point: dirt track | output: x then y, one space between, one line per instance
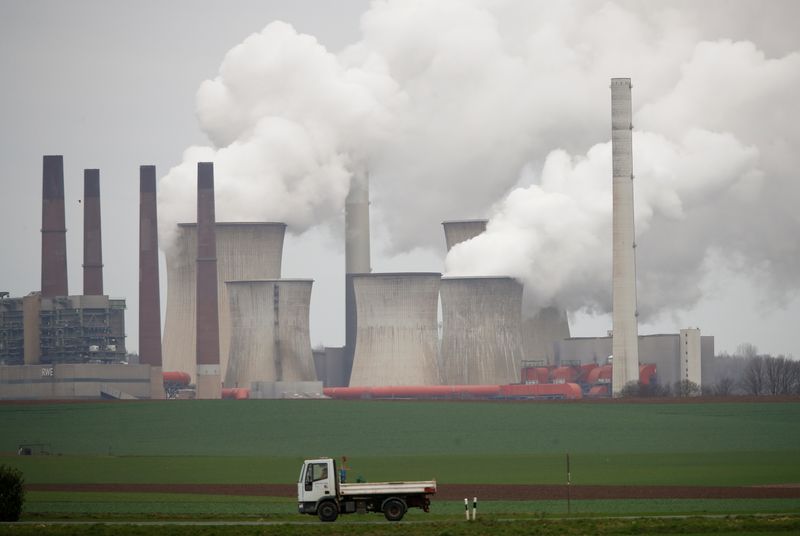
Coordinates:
486 492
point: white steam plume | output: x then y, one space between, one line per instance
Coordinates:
457 107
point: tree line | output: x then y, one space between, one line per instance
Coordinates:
745 372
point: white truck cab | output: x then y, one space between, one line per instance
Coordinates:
319 492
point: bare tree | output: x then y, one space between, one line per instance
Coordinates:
725 386
753 379
686 388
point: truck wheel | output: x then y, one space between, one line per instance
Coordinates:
394 509
328 511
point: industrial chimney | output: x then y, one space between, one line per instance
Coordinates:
54 232
92 235
207 348
625 335
149 289
357 255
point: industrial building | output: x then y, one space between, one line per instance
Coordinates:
270 332
397 338
245 250
677 356
481 330
235 329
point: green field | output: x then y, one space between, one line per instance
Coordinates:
703 444
458 442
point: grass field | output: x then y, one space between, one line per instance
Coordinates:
265 441
241 442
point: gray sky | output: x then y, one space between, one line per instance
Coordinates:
113 85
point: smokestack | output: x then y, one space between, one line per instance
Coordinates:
92 235
356 257
625 335
208 370
149 289
54 232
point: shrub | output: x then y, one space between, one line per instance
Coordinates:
12 493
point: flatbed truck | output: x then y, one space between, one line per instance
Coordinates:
320 493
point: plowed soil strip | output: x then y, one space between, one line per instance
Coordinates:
486 492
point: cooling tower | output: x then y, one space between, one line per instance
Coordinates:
625 338
357 256
149 287
541 331
270 331
481 330
397 338
244 251
54 232
209 377
92 235
462 230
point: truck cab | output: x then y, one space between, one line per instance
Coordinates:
319 492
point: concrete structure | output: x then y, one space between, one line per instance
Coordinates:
149 287
397 337
92 234
542 331
54 231
481 330
663 350
244 251
691 350
625 322
209 377
270 332
329 363
544 327
457 231
74 381
356 257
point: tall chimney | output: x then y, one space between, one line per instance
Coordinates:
54 232
149 288
92 236
356 256
208 370
625 334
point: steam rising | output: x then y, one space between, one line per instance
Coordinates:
501 109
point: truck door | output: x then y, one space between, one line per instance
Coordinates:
317 482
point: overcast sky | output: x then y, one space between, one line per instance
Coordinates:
460 109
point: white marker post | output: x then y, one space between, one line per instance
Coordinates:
474 507
466 508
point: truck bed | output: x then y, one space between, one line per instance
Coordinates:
388 488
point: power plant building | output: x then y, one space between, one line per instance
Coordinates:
677 356
397 338
481 330
244 251
270 332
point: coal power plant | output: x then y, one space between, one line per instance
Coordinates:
235 327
